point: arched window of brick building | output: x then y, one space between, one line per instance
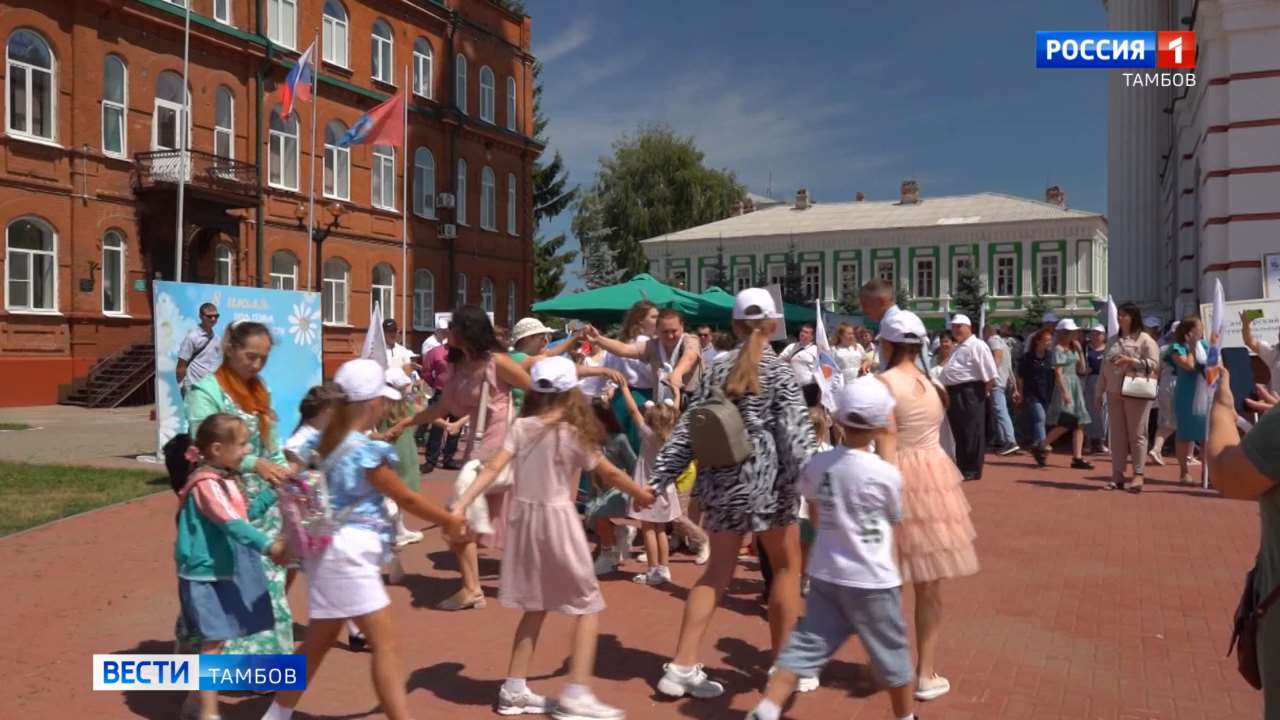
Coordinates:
486 94
113 272
424 299
32 80
422 78
115 101
383 51
460 83
488 200
31 266
382 291
486 293
334 38
334 294
284 270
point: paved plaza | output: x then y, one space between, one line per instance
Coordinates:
1090 604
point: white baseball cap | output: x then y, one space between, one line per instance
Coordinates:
864 404
1067 325
1049 317
1097 328
397 378
528 327
903 326
364 379
755 304
554 375
960 319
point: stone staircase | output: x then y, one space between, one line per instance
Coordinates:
116 378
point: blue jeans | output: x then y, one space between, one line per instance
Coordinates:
1036 413
1004 422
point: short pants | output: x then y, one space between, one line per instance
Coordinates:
834 613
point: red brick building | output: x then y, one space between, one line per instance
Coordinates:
89 168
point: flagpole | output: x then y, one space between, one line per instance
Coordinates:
311 193
183 124
404 224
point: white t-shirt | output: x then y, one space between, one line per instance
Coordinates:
850 361
639 373
858 498
971 361
1270 354
594 386
300 439
430 344
804 362
1005 367
399 356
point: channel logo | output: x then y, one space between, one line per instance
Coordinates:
1162 50
254 673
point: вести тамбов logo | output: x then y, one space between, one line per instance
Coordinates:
1153 59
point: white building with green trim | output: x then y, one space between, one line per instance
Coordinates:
1020 247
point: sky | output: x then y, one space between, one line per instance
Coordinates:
836 96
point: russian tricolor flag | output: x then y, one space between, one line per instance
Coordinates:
383 125
297 84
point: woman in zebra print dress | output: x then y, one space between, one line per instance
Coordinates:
759 496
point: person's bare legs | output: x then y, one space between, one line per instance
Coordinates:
583 663
525 644
903 700
649 533
928 626
209 698
1052 437
388 680
1183 450
321 635
664 545
1077 444
469 567
782 684
706 595
782 545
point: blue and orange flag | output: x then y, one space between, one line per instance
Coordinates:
383 125
297 84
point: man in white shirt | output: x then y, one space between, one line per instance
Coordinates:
876 300
705 341
1005 442
803 357
968 376
398 356
201 350
1269 354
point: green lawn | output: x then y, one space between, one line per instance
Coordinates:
31 495
14 426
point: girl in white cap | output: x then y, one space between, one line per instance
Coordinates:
345 580
546 563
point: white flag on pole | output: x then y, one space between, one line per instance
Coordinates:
1113 319
375 343
828 371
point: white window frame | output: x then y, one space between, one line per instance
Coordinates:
337 164
182 117
382 174
460 199
845 292
282 23
13 67
279 142
1084 267
224 264
119 248
16 256
920 264
225 132
382 52
776 274
487 300
119 107
892 276
488 199
996 274
487 89
460 292
957 263
1041 266
335 292
383 293
511 303
513 202
336 36
806 276
460 82
223 17
513 103
707 272
423 81
424 183
741 278
281 280
424 299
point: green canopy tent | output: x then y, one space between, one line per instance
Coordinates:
794 314
609 304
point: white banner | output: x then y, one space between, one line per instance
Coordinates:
1265 328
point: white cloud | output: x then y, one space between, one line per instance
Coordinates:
575 35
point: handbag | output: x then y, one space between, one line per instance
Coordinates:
477 513
1244 634
1141 387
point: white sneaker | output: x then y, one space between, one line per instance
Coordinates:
693 682
586 708
932 688
643 558
624 536
803 684
1156 457
704 554
1191 460
409 537
523 703
654 576
606 563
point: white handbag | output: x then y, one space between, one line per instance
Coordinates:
477 513
1140 387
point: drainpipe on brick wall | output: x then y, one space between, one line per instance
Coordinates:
260 79
453 156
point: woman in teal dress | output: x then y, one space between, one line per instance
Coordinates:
1068 411
1182 356
237 389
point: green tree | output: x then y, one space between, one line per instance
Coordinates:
850 304
719 271
901 297
549 263
1032 318
654 183
969 296
793 280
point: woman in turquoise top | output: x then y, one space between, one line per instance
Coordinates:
1182 356
237 389
1068 411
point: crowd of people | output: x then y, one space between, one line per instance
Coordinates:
721 437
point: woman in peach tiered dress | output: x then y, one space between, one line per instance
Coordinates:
935 539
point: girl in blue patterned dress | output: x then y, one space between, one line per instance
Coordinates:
345 581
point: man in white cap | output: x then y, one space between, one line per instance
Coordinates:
968 376
877 303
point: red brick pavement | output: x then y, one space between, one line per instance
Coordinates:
1089 604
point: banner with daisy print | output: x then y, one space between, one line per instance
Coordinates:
293 367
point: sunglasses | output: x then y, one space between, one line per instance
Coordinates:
214 316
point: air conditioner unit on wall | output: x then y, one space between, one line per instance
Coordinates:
448 231
445 200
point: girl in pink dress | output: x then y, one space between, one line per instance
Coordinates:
546 563
935 539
